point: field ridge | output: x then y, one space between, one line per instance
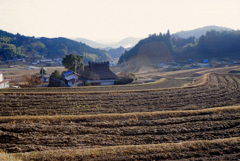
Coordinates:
137 152
113 116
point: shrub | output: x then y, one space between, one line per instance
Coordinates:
32 81
125 78
121 81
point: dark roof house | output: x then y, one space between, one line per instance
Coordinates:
98 74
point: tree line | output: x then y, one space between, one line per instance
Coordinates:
214 44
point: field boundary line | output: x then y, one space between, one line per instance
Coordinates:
112 116
195 145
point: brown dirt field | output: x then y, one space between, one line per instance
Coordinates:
19 74
186 73
135 122
135 129
220 90
24 134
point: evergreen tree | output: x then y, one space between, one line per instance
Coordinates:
69 62
56 74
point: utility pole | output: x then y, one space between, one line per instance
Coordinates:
42 76
18 80
75 72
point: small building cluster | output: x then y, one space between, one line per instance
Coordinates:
93 74
187 64
4 83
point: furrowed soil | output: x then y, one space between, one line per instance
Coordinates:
135 122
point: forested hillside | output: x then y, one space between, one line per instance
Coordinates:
116 53
215 45
19 46
164 48
155 46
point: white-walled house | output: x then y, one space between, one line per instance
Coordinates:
70 77
3 83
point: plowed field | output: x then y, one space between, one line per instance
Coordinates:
138 122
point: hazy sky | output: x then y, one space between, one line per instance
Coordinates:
114 19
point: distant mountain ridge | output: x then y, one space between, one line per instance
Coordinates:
199 31
117 52
20 46
126 43
90 43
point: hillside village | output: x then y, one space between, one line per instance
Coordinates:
119 80
164 52
163 92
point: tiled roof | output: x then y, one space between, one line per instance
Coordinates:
6 80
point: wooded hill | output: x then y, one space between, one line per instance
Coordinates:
163 48
19 46
198 32
154 49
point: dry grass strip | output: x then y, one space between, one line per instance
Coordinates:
128 151
117 116
7 157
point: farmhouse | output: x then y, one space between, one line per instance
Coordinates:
71 78
98 74
93 74
3 83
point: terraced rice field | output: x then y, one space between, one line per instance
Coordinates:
140 122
